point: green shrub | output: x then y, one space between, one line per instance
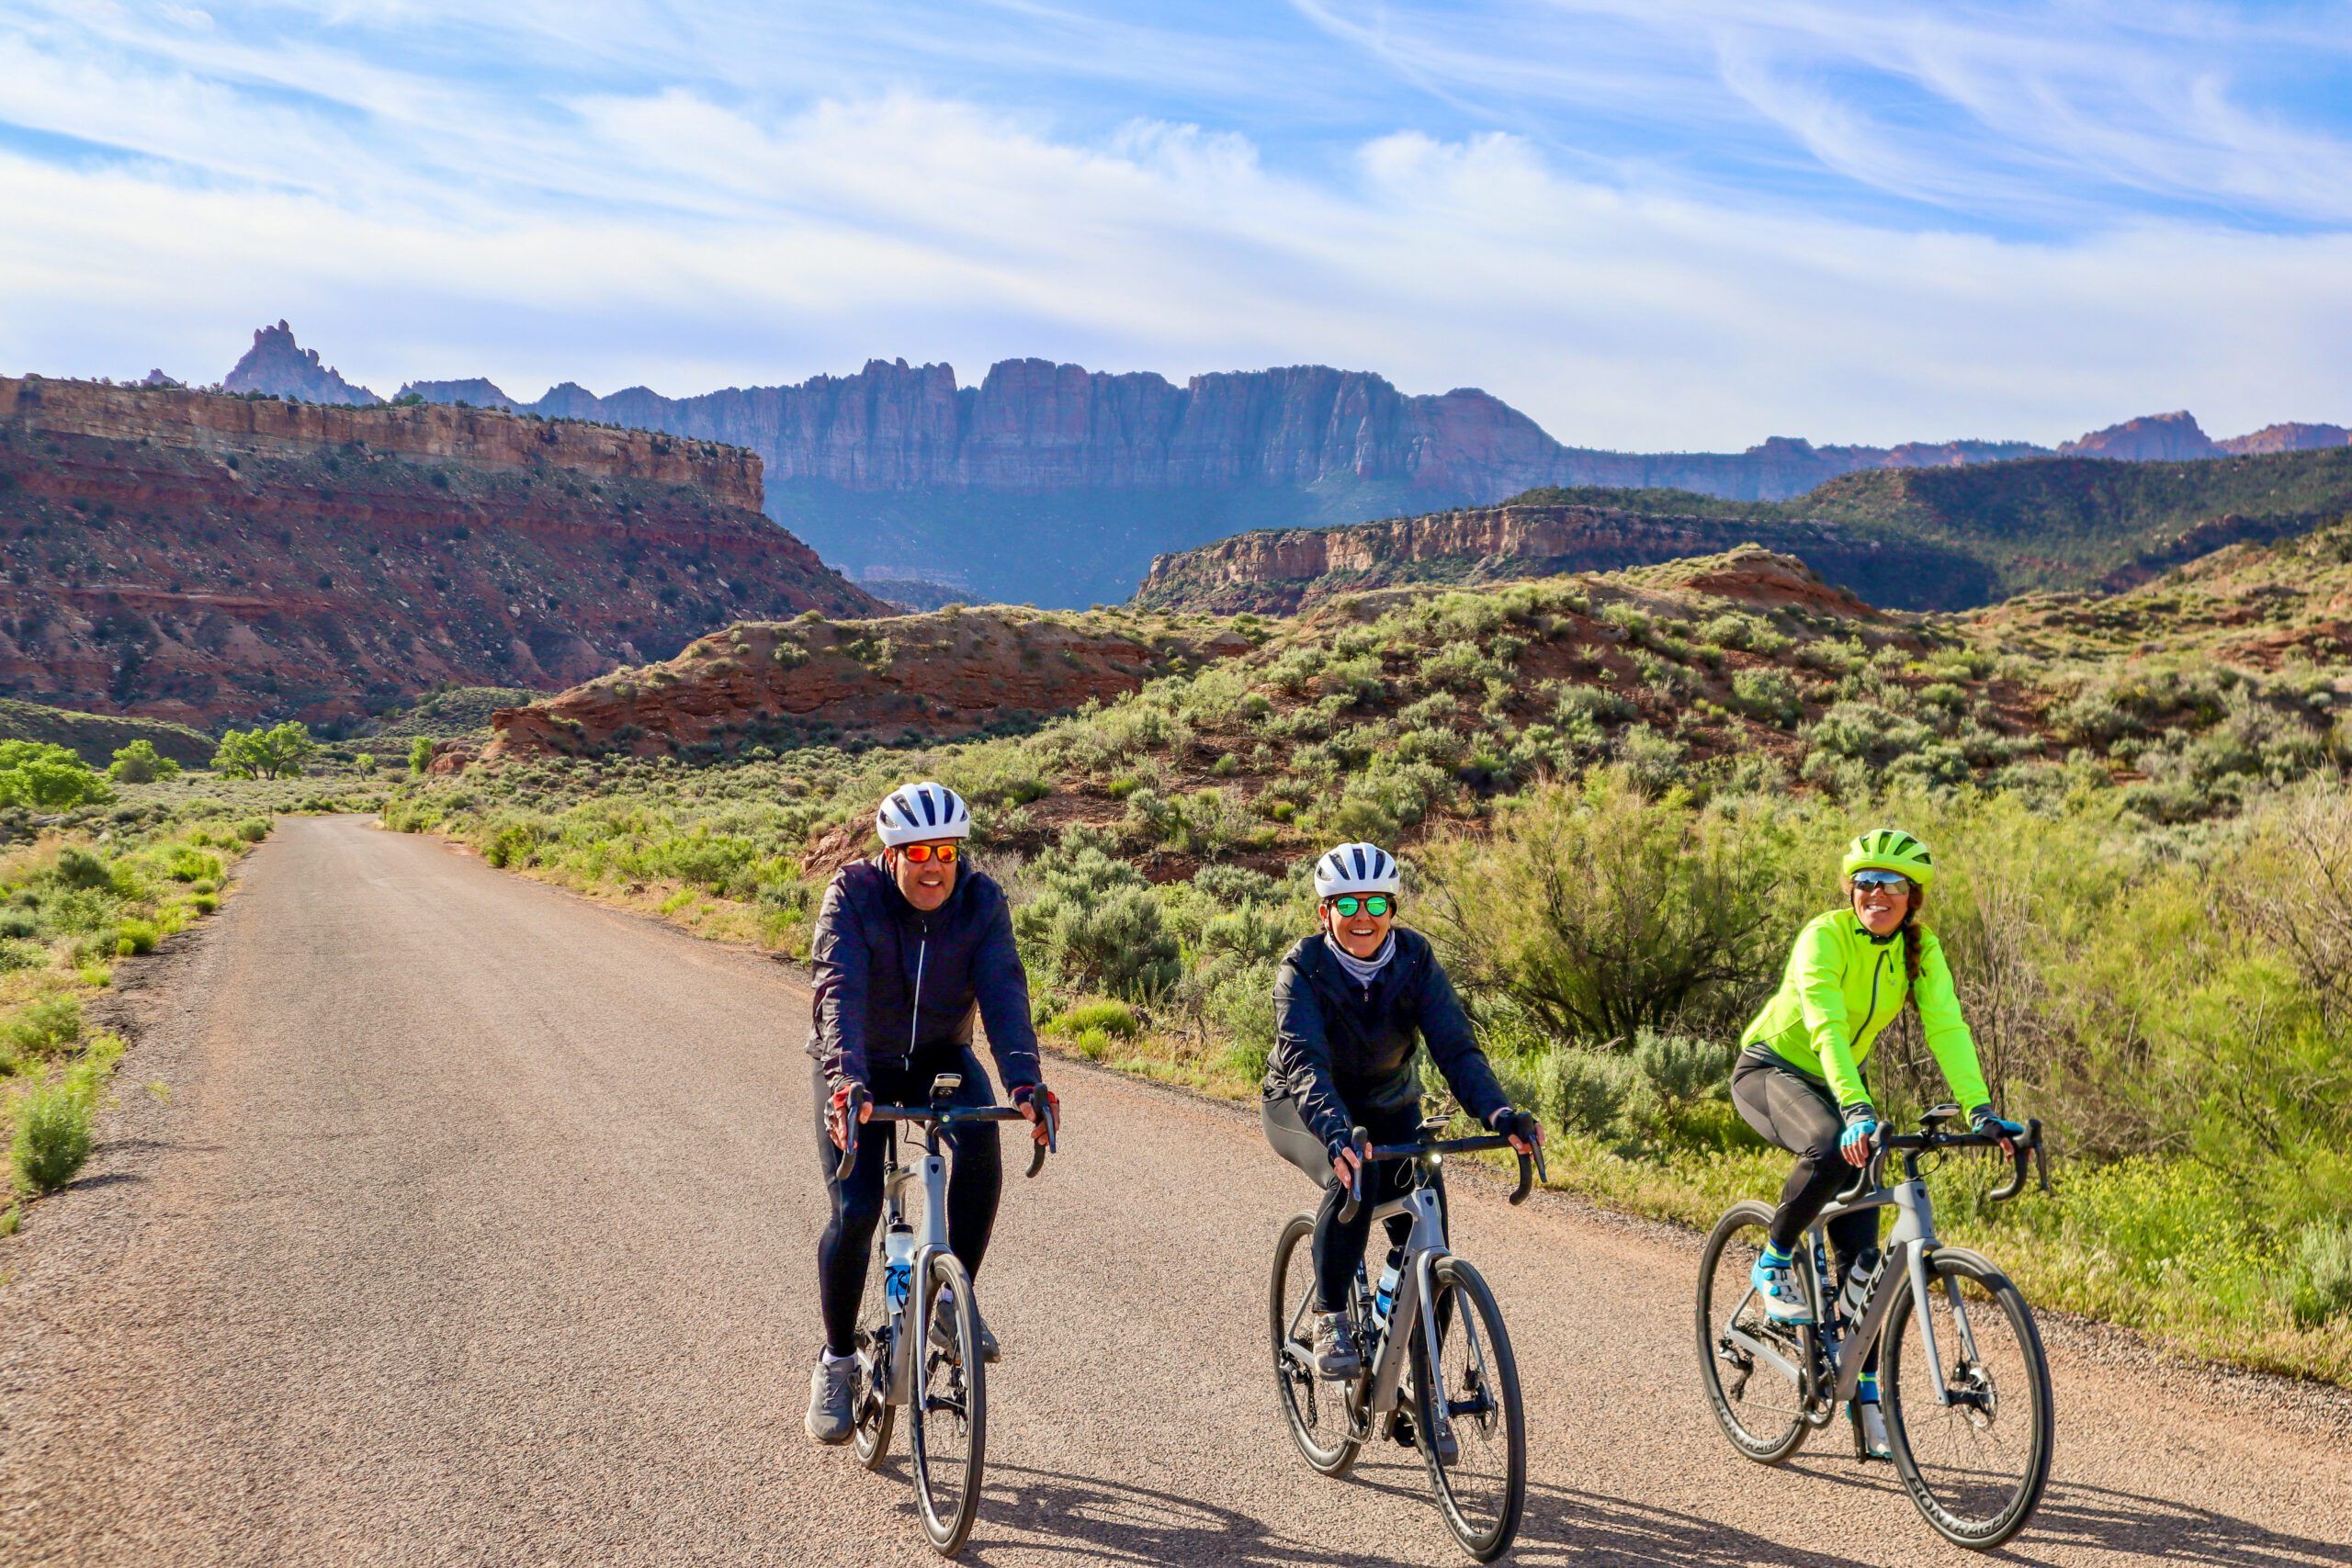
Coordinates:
17 954
49 1027
79 868
52 1136
1598 911
138 762
1589 1090
134 937
253 830
1110 1017
2320 1285
41 777
420 754
1095 925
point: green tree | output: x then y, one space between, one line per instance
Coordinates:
140 763
270 753
420 754
50 778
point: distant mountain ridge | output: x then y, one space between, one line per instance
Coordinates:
1057 484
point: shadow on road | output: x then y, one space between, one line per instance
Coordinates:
2153 1529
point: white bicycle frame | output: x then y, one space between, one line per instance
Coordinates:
910 1319
1907 1249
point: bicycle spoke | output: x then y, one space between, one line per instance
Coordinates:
1471 1430
1760 1408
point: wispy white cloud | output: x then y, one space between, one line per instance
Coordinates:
633 202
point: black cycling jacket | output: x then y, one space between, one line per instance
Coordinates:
891 981
1341 1048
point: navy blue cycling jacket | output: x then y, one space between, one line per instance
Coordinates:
1341 1048
891 981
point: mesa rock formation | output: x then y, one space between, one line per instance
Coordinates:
278 366
209 559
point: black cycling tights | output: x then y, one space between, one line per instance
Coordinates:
1338 1246
975 1179
1795 1112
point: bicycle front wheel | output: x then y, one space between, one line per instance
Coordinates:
1477 1453
1759 1407
1315 1412
947 1415
1975 1464
871 1440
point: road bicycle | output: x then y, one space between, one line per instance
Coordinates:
1440 1375
1967 1404
919 1325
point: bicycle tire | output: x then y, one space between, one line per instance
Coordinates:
948 1401
1777 1440
1483 1542
1310 1409
1957 1433
876 1414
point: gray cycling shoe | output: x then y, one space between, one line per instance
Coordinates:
943 1336
832 1390
1336 1355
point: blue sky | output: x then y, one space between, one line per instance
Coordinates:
1649 223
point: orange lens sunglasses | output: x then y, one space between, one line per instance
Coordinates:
944 854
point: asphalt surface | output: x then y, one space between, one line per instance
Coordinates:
478 1227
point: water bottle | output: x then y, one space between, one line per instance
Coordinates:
898 1265
1386 1297
1860 1276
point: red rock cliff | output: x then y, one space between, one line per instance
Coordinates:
209 559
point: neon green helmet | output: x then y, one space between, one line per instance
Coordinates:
1889 849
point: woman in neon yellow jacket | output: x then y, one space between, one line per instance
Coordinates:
1798 1080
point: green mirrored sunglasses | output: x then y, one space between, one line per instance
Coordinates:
1348 903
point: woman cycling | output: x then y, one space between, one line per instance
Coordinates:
1351 1004
1798 1079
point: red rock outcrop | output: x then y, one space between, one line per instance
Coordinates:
2288 437
210 558
1283 572
2152 438
939 675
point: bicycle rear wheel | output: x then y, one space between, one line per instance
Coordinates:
947 1415
871 1442
1478 1455
1760 1408
1977 1465
1315 1412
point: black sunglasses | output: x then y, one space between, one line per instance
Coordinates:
1348 903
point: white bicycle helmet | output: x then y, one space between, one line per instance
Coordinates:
918 812
1356 868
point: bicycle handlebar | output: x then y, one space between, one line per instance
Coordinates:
2027 1147
1369 1153
949 1116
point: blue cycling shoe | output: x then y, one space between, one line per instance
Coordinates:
1775 1279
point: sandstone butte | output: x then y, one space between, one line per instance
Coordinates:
211 558
1283 572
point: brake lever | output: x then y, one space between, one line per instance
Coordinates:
848 1161
1038 1151
1361 1142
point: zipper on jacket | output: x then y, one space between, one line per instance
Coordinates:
1869 1013
914 1012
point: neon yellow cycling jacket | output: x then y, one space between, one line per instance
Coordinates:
1842 987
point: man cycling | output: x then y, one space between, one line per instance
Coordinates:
1798 1078
909 945
1353 1004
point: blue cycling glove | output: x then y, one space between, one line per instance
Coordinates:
1983 1119
1861 1124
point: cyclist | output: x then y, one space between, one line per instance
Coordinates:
1351 1004
1798 1077
909 945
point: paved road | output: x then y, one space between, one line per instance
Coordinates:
478 1228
